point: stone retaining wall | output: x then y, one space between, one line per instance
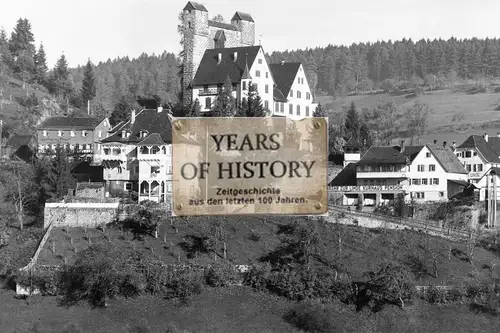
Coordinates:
71 215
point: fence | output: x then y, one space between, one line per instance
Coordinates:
413 223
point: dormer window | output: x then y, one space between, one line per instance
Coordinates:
84 133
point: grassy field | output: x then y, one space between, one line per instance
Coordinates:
480 111
249 239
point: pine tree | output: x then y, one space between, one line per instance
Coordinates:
224 104
5 56
120 112
22 48
40 65
88 91
352 122
319 112
252 105
61 83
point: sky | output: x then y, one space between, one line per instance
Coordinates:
106 29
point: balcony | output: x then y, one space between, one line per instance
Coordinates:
114 157
381 174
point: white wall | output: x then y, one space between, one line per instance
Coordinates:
265 78
473 160
303 102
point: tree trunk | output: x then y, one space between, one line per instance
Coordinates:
20 211
402 303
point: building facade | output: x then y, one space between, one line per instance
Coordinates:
478 154
80 136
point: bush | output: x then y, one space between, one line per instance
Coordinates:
183 283
257 276
46 282
222 275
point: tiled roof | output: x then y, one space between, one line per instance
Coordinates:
19 140
239 16
382 155
490 150
70 123
149 120
196 6
411 152
278 95
151 140
222 25
447 159
284 74
346 177
211 72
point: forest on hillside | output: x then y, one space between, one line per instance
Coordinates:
332 70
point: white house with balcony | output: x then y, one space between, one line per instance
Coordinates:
138 156
478 154
422 173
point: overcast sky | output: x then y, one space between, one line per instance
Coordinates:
102 29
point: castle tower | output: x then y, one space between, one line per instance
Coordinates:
246 25
196 31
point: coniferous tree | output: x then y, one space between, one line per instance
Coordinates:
88 91
5 55
252 105
352 122
22 49
320 111
121 111
61 83
59 177
224 104
41 65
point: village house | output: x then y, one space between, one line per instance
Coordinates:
214 51
80 136
421 173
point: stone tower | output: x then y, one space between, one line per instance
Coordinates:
201 34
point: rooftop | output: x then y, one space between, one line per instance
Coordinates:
70 123
284 74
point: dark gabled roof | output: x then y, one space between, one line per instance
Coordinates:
151 140
460 182
284 74
222 25
211 72
239 16
278 95
70 123
447 159
487 149
18 140
196 6
411 152
346 177
149 120
382 155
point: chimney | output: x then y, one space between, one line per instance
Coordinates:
402 146
160 109
235 56
444 144
219 58
435 142
486 137
132 117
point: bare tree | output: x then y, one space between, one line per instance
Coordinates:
417 119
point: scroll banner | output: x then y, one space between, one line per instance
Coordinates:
250 166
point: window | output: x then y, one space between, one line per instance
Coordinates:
208 103
421 168
45 133
257 73
299 80
100 134
424 181
432 167
267 75
468 154
459 154
169 169
266 105
427 154
415 181
298 110
119 169
60 133
420 195
266 89
260 61
291 92
307 111
435 181
169 187
282 107
468 167
72 134
155 169
308 95
128 186
298 94
441 194
244 85
479 167
290 109
474 153
169 149
84 133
